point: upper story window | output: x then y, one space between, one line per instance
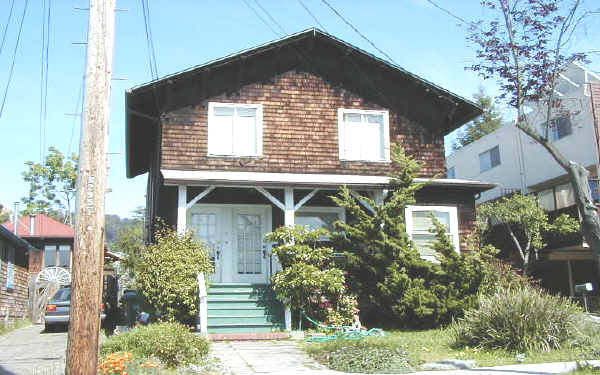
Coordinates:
560 128
363 135
451 173
57 256
419 223
489 159
235 129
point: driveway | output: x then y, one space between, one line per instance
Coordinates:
30 351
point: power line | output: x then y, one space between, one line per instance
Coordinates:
261 18
46 11
312 15
12 3
271 17
449 13
12 65
149 40
357 31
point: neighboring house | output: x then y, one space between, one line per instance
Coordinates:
516 163
14 276
53 238
260 139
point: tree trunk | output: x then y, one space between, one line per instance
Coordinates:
590 222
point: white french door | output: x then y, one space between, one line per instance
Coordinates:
235 237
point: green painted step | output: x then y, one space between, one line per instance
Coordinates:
244 319
243 329
242 307
236 310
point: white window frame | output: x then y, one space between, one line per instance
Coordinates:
259 128
10 267
386 132
341 212
453 230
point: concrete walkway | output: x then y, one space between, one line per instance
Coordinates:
30 351
285 357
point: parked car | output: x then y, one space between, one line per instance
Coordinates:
58 309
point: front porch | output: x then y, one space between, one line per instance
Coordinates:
232 211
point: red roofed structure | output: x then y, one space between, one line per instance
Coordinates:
53 238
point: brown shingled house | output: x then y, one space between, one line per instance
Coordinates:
241 145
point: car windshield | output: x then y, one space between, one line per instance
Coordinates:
63 294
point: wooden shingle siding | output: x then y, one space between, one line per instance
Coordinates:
13 301
300 131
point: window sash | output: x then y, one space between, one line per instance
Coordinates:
418 225
560 128
234 129
489 159
363 135
10 268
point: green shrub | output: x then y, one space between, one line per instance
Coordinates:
172 343
394 285
166 274
369 356
521 319
309 280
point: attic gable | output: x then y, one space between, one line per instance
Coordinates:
311 51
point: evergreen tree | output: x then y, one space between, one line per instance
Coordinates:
384 268
489 121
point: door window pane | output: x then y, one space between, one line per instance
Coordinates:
249 244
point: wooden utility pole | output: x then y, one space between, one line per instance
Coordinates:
88 254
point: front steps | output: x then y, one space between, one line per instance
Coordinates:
243 308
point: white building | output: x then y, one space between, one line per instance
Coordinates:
515 162
511 159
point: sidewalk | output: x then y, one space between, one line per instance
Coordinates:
285 357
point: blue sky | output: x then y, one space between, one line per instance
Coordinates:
418 37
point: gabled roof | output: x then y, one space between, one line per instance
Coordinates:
43 227
310 50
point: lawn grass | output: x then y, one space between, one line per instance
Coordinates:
17 324
436 344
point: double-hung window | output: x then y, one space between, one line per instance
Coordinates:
489 159
419 223
57 256
235 129
364 135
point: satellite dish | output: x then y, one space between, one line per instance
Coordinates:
57 275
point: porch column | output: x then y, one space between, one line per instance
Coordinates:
288 220
289 207
182 209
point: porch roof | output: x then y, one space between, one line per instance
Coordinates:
251 179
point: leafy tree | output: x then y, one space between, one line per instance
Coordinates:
489 121
4 214
51 186
525 222
385 270
524 47
308 274
166 274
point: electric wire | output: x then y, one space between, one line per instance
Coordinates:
81 97
149 40
271 17
43 115
312 15
357 31
12 3
14 57
261 18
